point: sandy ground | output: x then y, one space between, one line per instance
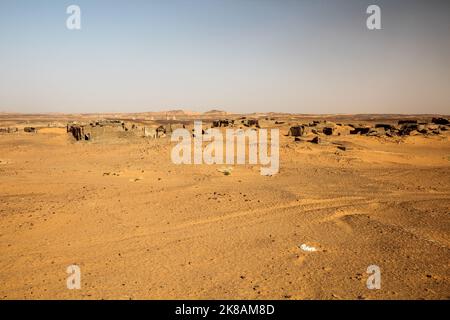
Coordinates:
141 227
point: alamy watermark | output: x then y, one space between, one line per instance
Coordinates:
73 22
374 280
74 278
374 20
189 149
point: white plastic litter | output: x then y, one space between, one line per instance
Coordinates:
307 248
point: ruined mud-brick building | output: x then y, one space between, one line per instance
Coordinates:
30 129
114 131
296 131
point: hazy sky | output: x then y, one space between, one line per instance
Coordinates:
306 56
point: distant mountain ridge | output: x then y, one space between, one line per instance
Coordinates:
215 112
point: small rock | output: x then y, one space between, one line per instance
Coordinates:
315 140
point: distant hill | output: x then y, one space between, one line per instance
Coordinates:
180 112
215 112
176 112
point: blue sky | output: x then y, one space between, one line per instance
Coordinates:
307 56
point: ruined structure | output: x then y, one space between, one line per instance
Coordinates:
78 132
222 123
296 131
328 131
30 129
440 121
8 130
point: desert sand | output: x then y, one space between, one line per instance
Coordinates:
141 227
